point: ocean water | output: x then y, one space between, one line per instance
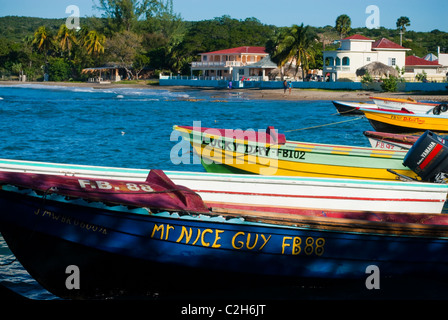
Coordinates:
132 127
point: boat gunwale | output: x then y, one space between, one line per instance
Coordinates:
273 220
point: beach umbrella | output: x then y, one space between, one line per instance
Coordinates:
377 69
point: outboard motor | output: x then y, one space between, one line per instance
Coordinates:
428 158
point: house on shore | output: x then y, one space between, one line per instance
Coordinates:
218 68
432 69
105 74
357 51
234 64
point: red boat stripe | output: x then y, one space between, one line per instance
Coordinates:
317 197
431 156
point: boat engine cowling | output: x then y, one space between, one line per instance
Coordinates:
428 158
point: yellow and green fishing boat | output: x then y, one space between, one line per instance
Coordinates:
266 152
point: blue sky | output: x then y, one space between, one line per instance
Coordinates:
424 15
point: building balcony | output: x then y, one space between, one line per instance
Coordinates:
336 68
217 64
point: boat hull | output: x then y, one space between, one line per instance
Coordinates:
350 108
393 122
408 104
389 141
128 252
220 153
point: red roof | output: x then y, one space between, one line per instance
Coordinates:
239 50
416 61
357 37
386 44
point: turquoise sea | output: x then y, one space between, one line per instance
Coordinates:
131 127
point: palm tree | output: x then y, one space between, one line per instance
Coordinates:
66 39
402 23
43 40
299 45
276 48
343 25
94 42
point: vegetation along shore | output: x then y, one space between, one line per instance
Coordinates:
147 40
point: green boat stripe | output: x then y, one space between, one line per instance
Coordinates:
212 175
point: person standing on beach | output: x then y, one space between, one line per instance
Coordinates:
290 86
285 86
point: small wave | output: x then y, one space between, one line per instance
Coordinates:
129 92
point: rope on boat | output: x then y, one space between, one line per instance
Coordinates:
324 125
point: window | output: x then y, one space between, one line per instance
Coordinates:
368 59
329 61
338 61
346 61
204 58
392 61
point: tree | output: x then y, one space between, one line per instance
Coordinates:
343 25
58 69
66 38
141 61
123 48
94 42
124 14
402 23
43 40
277 51
390 84
299 45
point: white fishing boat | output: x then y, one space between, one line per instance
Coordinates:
408 104
350 107
271 193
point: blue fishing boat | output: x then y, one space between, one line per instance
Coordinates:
123 243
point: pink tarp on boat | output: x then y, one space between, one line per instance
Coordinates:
270 135
158 191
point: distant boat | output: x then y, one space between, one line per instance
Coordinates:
390 141
407 104
269 153
87 236
410 105
348 107
394 121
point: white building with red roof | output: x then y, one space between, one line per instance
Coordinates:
357 51
232 63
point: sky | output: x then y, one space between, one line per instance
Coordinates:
424 15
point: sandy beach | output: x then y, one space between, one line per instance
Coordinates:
267 94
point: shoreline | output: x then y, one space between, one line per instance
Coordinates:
255 93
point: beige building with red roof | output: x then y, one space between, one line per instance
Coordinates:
434 70
233 63
357 51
